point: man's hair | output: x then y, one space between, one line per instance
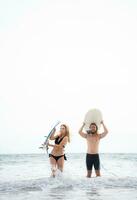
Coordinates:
94 125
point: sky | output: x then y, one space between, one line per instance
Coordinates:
58 59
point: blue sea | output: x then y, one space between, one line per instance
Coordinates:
27 176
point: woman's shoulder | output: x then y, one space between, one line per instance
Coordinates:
65 137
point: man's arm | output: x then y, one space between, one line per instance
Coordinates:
84 135
102 135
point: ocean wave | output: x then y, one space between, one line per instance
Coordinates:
68 183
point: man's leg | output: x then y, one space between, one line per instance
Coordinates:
97 172
97 165
89 165
89 172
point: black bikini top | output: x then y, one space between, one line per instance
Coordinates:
58 140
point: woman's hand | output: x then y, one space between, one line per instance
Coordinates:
50 145
47 144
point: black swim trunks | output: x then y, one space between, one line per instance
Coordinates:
92 160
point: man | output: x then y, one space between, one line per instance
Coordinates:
93 138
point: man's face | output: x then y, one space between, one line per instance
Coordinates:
93 128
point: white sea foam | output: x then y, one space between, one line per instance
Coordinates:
28 176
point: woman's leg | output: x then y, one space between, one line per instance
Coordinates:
60 163
53 166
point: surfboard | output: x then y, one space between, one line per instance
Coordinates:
44 145
93 115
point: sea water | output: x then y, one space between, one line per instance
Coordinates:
27 176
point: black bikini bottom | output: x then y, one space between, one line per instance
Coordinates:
58 157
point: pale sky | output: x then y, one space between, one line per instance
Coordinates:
58 59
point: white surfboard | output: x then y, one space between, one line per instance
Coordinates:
44 146
93 115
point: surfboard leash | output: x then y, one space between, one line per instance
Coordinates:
108 171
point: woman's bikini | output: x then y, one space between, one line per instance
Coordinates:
58 141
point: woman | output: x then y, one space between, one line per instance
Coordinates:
57 155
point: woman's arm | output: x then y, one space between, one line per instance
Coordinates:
62 143
53 137
51 145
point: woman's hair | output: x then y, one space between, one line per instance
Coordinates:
67 131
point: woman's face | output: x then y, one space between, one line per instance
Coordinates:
62 129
